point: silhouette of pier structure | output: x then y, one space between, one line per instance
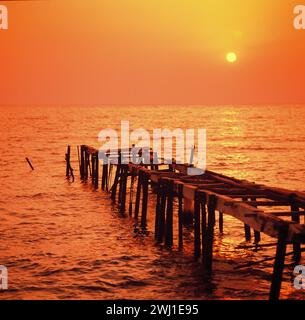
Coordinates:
207 198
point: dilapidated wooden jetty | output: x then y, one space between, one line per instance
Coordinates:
207 198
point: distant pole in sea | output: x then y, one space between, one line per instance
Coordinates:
29 162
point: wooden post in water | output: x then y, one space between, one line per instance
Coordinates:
87 163
124 178
295 217
247 233
169 213
96 178
109 175
247 228
82 162
197 242
157 212
203 226
257 237
29 163
180 215
257 234
220 222
105 174
115 183
78 158
144 200
138 195
279 262
161 232
68 165
120 184
208 259
93 163
131 190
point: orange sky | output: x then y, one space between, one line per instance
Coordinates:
151 52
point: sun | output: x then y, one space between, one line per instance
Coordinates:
231 57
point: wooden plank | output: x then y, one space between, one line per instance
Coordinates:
265 203
229 191
285 213
248 195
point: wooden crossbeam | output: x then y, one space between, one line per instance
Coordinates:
287 214
265 203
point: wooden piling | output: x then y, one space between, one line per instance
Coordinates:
247 232
109 175
120 183
124 179
220 222
96 177
82 162
157 212
197 226
133 175
208 259
279 262
115 183
257 234
138 195
180 216
203 226
78 158
161 232
257 237
87 164
169 214
144 200
68 165
105 175
295 217
247 228
93 164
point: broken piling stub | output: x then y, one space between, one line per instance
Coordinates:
29 162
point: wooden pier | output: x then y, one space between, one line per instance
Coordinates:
208 197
